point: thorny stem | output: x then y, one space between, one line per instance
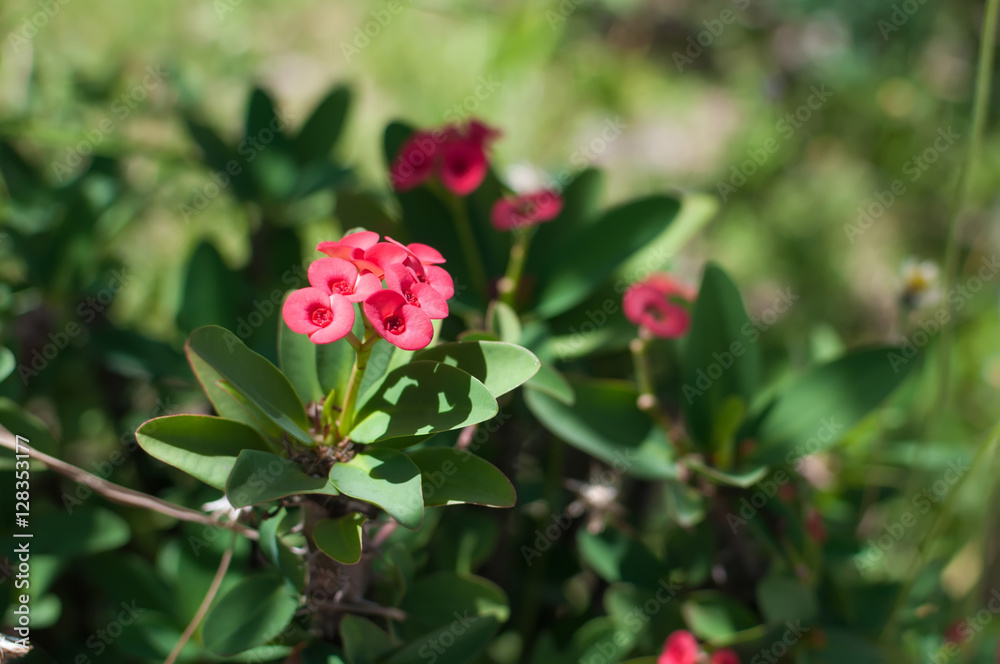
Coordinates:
980 108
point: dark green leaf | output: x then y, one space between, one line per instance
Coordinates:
340 538
715 617
320 132
452 476
467 637
435 600
254 611
605 422
252 376
824 403
364 641
499 366
423 397
211 291
551 382
202 446
591 256
386 478
258 477
784 599
720 361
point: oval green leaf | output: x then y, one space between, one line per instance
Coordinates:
499 366
452 477
258 477
340 538
386 478
253 612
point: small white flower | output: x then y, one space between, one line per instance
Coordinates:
921 283
223 508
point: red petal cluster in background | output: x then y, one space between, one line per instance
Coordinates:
416 290
650 305
456 155
682 648
526 210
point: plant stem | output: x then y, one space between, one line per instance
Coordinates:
124 496
980 108
511 282
464 230
647 402
213 590
354 386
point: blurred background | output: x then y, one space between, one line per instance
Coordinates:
825 135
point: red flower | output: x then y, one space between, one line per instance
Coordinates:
421 259
420 294
324 317
526 210
679 648
649 305
401 324
725 656
456 154
365 251
814 525
336 276
415 161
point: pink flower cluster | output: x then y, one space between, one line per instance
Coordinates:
401 289
456 155
682 648
652 305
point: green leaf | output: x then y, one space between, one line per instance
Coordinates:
386 478
383 359
580 209
263 120
321 131
20 422
696 211
7 363
340 538
258 477
782 599
212 291
615 558
218 156
251 376
499 366
720 362
592 256
503 322
605 422
452 476
291 566
202 446
467 638
297 359
77 531
435 600
423 397
825 402
334 364
685 505
551 382
364 641
253 612
715 617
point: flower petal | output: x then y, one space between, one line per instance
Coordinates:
415 161
299 307
342 323
463 166
440 280
333 276
680 648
